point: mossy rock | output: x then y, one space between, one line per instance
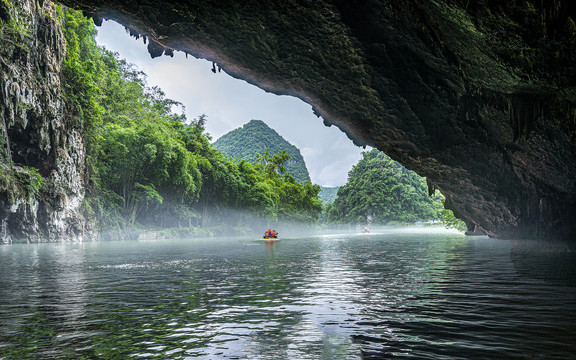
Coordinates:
570 26
4 10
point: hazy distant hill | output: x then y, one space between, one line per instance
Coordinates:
255 137
328 194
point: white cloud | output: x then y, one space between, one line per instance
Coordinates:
229 103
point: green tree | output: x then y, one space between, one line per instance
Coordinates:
254 138
274 165
380 190
141 163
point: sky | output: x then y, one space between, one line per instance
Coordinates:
230 103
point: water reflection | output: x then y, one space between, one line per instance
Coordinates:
389 295
271 245
327 300
552 262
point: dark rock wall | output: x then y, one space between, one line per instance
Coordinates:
34 132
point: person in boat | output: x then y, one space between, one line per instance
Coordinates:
270 233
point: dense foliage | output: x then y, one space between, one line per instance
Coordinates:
379 191
328 194
150 166
254 138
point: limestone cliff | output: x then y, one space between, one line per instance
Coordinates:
41 153
479 96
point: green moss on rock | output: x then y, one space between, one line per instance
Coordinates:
4 11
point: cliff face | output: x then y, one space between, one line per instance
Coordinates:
41 153
478 96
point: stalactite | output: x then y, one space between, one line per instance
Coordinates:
7 142
3 98
431 187
133 33
155 49
524 111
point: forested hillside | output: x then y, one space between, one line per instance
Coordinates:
149 166
254 138
328 194
379 191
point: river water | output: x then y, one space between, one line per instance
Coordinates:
393 295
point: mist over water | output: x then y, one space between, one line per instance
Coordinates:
392 293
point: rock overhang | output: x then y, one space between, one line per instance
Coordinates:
477 96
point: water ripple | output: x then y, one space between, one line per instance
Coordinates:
390 295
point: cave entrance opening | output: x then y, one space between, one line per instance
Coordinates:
229 103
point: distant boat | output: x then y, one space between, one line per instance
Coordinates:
270 234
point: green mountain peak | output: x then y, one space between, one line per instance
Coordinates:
254 138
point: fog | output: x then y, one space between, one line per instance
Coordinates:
236 223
